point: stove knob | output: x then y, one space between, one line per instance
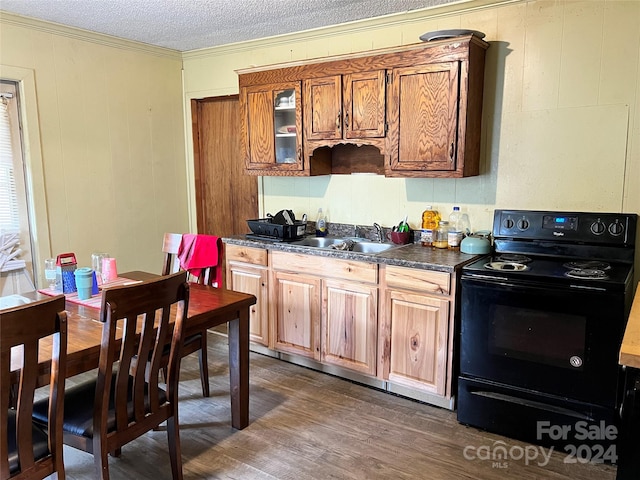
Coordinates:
598 228
616 229
508 223
523 224
575 361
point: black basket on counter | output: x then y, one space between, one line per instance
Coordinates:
283 226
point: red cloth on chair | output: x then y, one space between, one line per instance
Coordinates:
199 251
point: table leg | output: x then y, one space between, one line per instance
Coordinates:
239 369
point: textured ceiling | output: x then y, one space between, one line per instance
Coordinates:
192 24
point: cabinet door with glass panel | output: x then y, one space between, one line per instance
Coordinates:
272 124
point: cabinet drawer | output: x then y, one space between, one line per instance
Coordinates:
255 256
416 279
325 267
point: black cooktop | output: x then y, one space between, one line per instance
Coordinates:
567 271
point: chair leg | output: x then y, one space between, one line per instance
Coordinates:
101 461
175 451
204 365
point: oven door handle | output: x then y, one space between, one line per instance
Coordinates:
489 278
509 282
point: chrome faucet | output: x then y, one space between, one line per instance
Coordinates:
379 233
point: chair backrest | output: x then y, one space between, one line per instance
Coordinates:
22 327
170 247
144 312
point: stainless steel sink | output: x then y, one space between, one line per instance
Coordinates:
353 244
372 247
318 242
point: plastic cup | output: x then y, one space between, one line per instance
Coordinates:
96 263
84 282
109 270
50 271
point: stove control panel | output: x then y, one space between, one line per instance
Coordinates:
560 222
598 228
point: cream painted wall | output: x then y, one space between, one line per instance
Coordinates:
560 124
105 141
561 111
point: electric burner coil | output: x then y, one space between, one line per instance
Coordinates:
506 266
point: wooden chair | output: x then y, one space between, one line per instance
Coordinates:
196 342
121 404
27 450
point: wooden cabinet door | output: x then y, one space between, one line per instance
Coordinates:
242 277
272 131
349 325
365 104
424 117
350 106
297 314
419 340
323 108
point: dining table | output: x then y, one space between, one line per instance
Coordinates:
208 308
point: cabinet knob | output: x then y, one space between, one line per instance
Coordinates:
338 120
346 120
451 151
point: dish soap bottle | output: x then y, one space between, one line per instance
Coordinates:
321 224
430 219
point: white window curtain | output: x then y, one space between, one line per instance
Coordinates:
16 268
9 212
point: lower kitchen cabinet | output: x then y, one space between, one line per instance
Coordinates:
349 325
296 313
416 330
419 340
388 326
247 272
329 313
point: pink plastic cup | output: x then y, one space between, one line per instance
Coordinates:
109 270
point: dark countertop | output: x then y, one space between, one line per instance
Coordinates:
412 255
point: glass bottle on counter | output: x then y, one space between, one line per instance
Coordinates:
441 235
430 219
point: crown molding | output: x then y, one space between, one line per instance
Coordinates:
85 35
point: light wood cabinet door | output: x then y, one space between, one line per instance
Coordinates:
254 280
418 340
349 106
349 325
272 127
424 118
297 314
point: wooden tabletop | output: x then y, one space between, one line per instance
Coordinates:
630 349
208 307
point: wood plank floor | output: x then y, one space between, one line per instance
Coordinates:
309 425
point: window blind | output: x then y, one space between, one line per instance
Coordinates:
9 214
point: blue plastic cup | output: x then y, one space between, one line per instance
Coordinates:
84 282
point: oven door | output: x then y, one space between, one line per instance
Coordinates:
558 340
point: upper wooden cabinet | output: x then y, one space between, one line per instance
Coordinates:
424 104
271 126
412 111
348 106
